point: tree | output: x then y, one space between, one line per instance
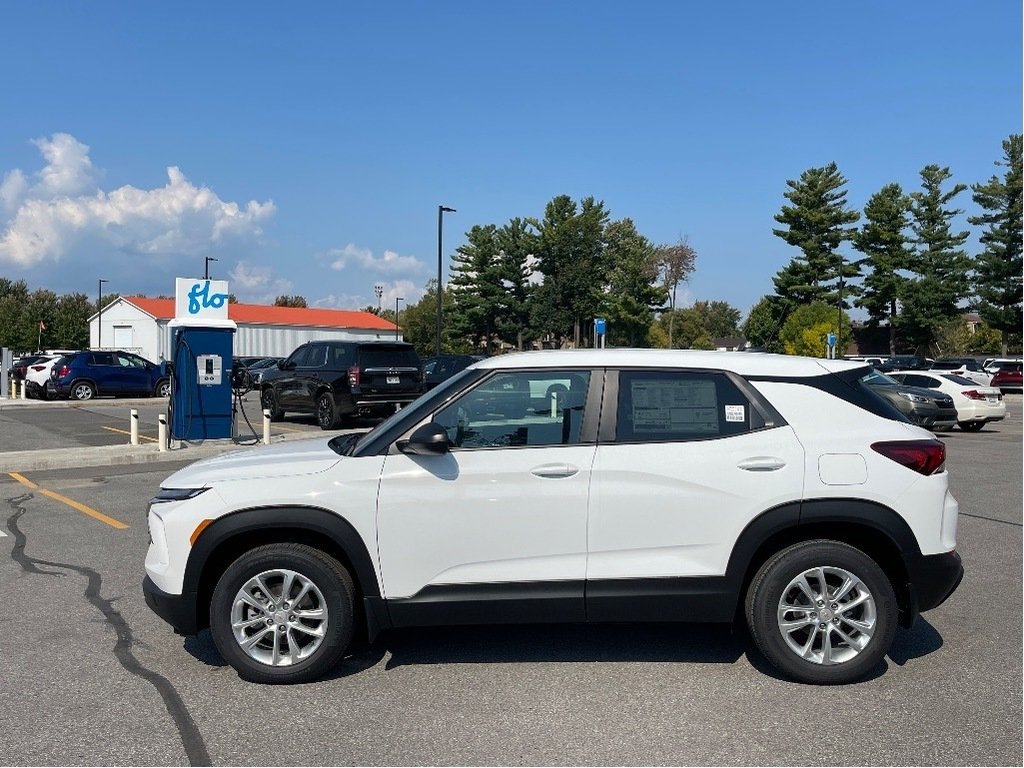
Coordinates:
290 301
476 287
998 268
517 242
816 225
764 323
675 264
807 327
13 328
571 256
887 254
953 338
939 263
631 296
419 326
698 327
70 328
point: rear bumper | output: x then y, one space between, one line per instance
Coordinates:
177 610
933 578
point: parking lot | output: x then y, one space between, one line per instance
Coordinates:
91 676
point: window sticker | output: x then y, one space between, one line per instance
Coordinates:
686 405
735 413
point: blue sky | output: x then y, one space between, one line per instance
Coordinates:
313 143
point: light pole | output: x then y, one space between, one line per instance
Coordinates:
379 290
99 314
441 211
839 335
397 327
206 266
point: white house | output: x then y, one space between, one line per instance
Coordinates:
137 324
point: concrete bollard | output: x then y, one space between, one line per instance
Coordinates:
24 390
161 435
266 426
134 428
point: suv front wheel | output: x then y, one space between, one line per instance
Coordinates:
822 612
283 613
269 402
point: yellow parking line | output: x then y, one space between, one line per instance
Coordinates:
126 432
70 502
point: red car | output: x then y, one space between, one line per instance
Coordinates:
1008 377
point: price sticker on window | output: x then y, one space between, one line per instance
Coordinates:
735 413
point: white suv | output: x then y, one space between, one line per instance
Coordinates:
603 485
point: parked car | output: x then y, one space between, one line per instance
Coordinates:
967 367
924 407
20 366
85 375
993 364
256 371
903 363
441 367
669 486
975 405
37 374
337 379
1008 378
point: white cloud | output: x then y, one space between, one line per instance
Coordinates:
51 218
68 170
390 263
406 289
257 285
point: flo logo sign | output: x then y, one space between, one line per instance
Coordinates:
200 299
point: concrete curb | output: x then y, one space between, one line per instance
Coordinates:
121 455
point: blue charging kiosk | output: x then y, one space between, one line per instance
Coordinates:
200 407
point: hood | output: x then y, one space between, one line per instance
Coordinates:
298 457
931 394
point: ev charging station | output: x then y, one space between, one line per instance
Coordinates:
202 339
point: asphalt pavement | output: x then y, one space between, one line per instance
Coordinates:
90 676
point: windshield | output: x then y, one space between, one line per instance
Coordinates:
959 379
875 378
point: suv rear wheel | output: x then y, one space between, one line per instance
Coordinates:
326 411
83 390
822 612
283 613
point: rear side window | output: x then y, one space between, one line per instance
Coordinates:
102 358
388 357
917 380
661 406
340 356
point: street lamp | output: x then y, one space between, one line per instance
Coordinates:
99 314
206 266
441 211
397 299
839 335
379 290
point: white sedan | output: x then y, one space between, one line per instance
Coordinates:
975 405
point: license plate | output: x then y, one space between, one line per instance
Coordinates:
993 399
394 379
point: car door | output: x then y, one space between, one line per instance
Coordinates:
495 528
685 461
286 385
103 369
132 374
308 375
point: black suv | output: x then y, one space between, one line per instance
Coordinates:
336 379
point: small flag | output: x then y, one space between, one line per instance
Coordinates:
42 326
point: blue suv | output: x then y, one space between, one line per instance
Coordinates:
84 375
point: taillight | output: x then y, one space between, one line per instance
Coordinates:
927 457
353 376
38 367
973 394
64 371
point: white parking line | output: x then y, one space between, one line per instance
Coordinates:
2 534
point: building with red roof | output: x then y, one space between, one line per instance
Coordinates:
139 324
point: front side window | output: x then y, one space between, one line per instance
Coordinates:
659 406
518 408
299 356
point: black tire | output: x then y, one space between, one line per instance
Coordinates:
163 388
330 579
326 411
268 399
971 426
82 390
772 584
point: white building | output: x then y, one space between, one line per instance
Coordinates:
137 324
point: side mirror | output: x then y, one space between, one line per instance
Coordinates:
428 440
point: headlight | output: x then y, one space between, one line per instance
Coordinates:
914 398
176 494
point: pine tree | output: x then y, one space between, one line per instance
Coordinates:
887 251
632 295
998 268
477 287
939 263
816 225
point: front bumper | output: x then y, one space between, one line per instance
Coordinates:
177 610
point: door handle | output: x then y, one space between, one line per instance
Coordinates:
761 464
554 470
